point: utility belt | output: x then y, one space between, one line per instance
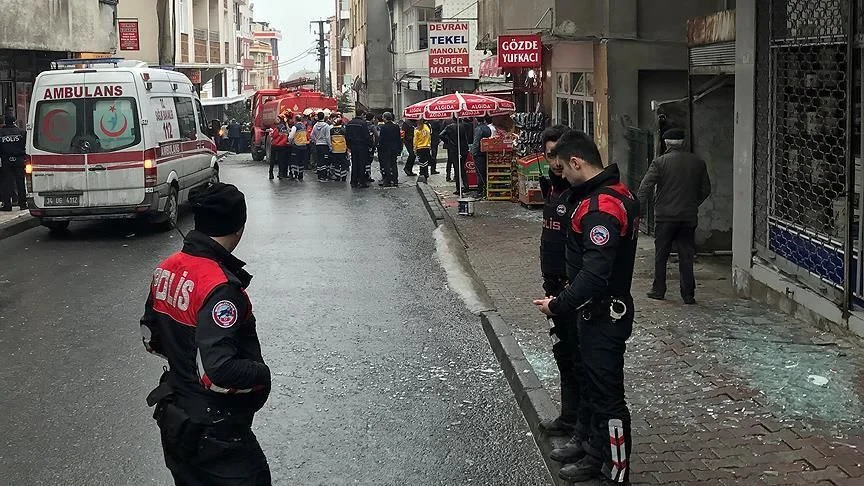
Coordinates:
615 308
184 431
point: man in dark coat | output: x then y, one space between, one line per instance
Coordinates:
682 183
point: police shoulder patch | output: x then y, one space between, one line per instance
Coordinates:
225 314
599 235
561 210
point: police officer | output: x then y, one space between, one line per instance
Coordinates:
556 213
200 319
12 151
601 251
389 147
359 138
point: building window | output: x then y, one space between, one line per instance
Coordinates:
574 101
183 17
418 38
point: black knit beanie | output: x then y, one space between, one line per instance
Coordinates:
220 209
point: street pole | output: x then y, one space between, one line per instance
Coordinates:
323 85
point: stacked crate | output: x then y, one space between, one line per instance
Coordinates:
499 168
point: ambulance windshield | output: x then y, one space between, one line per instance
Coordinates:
86 125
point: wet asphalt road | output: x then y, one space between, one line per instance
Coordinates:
381 375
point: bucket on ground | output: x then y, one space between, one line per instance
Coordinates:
466 206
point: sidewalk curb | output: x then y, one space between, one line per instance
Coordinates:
533 400
17 225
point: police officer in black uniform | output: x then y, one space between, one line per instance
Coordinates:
556 216
200 319
601 252
13 143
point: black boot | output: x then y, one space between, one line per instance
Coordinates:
271 176
571 452
585 469
557 428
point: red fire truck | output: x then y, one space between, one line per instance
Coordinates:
296 97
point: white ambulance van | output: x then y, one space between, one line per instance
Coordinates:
115 139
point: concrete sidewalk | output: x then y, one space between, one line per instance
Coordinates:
15 221
724 392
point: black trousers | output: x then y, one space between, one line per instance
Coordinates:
359 160
389 170
424 156
339 166
602 343
480 168
221 459
298 161
454 162
12 183
568 357
280 156
434 154
235 145
412 156
322 161
682 235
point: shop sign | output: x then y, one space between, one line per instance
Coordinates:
519 51
489 68
449 50
129 38
194 75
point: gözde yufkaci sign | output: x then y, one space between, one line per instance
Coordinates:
519 51
448 50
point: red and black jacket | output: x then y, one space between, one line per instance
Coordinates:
200 319
601 244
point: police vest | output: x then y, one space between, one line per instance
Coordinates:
557 209
337 140
12 142
301 139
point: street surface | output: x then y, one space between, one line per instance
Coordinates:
380 373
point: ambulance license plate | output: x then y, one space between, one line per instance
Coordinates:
63 200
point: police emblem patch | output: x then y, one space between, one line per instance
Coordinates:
599 235
561 210
225 314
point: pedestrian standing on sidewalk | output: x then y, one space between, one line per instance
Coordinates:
601 252
338 151
423 148
300 145
457 137
12 151
389 147
573 420
435 126
408 140
682 183
359 139
199 318
320 139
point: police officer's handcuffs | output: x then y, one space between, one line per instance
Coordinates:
617 309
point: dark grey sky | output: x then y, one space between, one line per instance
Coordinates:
292 17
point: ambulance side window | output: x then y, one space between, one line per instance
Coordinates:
186 118
201 120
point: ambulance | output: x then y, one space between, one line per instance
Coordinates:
115 139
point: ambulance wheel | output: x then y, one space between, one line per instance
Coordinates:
168 218
257 155
56 226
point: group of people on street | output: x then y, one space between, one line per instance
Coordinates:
587 255
13 145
